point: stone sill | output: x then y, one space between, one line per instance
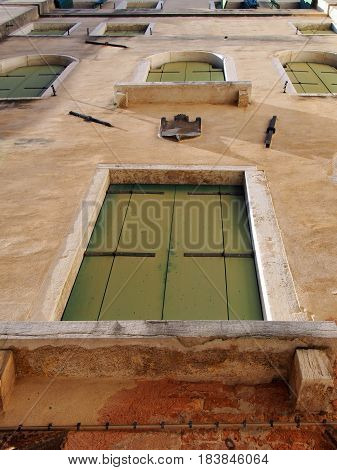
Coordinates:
127 94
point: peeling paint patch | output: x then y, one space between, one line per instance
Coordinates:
175 402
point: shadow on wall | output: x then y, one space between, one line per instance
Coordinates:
224 125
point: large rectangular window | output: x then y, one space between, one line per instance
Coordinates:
168 252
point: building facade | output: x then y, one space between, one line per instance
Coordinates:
168 281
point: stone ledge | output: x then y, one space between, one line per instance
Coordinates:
53 332
127 94
311 380
230 351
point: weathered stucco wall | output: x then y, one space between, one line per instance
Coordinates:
180 404
93 373
175 372
48 157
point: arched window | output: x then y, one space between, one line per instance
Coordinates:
184 77
308 72
311 77
32 76
187 66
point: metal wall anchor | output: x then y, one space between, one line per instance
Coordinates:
87 118
106 43
270 131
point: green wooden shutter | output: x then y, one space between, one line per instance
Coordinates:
136 285
243 291
25 82
168 252
312 78
327 74
174 72
186 71
196 286
242 288
87 295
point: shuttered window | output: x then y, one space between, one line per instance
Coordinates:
186 72
316 28
309 77
25 82
161 252
141 5
125 29
52 31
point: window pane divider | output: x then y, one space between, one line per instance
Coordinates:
113 261
216 194
224 253
135 192
218 255
136 254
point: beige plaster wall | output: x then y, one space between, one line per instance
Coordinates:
47 158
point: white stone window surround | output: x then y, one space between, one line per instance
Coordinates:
138 90
325 6
156 60
278 295
11 63
333 12
25 30
295 26
101 28
283 57
122 5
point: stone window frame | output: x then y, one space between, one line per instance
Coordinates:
138 90
25 30
283 57
97 31
278 295
294 26
123 4
156 60
11 63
